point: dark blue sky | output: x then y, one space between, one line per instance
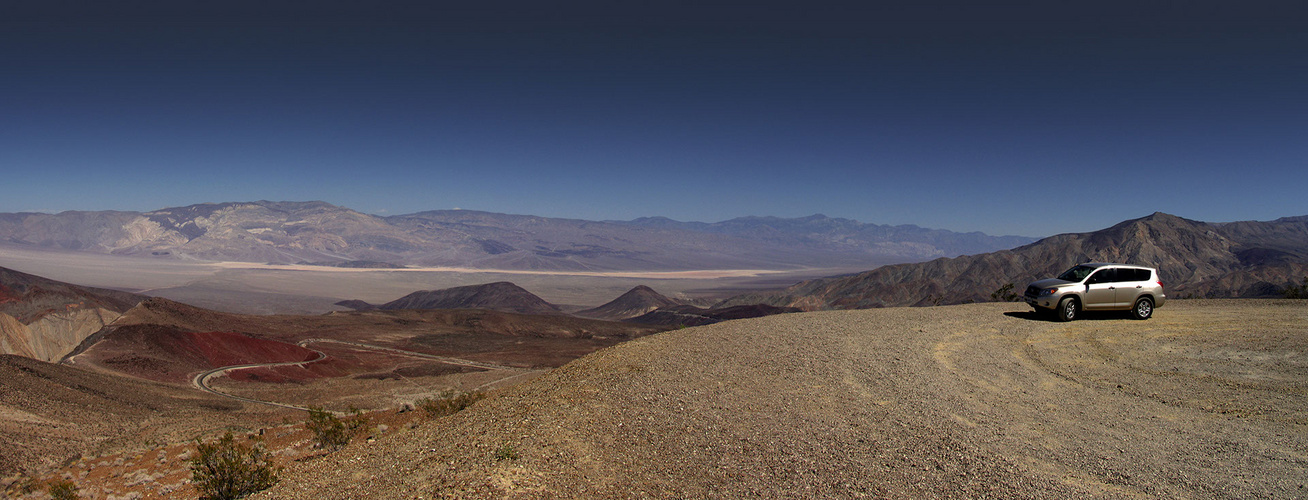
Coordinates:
1029 118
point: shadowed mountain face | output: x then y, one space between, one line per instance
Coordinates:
635 302
1242 259
324 234
45 319
502 296
686 315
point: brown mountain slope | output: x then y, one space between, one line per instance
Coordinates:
500 296
169 354
1246 259
160 326
45 319
635 302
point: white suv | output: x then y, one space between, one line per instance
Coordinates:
1098 287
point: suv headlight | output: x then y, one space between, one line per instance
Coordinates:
1049 291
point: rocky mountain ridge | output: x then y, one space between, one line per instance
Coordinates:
325 234
1195 259
46 319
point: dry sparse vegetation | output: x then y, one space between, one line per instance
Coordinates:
449 402
63 490
1297 292
226 469
332 432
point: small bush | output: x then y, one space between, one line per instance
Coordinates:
1297 292
506 452
63 490
333 433
449 402
1004 294
226 469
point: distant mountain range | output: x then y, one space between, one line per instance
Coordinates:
325 234
1195 259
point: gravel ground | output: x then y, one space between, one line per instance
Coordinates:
1207 400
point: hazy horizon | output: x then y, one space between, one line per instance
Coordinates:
1025 120
49 212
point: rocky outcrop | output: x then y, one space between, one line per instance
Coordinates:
53 336
15 337
46 319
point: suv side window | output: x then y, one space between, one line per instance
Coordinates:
1133 274
1103 276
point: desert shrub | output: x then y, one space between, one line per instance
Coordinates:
63 490
1004 294
506 452
226 469
449 402
331 432
1297 292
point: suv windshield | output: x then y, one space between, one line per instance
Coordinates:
1076 274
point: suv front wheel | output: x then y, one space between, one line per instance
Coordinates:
1066 309
1143 309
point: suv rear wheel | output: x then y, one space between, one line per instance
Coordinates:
1066 309
1143 309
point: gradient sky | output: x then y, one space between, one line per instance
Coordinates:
1030 118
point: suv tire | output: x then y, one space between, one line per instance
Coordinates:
1067 309
1143 308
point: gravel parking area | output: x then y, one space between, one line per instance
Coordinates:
1209 399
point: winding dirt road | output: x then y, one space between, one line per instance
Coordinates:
201 380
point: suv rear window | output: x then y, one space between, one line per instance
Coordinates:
1124 274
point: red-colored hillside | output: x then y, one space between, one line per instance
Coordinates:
171 355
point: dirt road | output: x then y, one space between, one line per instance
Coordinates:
1207 400
201 380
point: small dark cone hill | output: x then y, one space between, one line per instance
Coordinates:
501 296
1195 259
637 301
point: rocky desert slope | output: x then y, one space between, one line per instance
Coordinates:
51 413
1209 399
1195 259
